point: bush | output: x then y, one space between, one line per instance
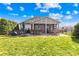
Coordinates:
6 26
28 31
76 31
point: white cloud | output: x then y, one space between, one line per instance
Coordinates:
14 14
38 5
55 15
68 12
44 10
32 16
7 3
47 6
24 16
9 8
75 12
76 4
52 5
60 16
68 17
22 8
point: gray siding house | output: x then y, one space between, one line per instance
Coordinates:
40 25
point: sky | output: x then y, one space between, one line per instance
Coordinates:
66 13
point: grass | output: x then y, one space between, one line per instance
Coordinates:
38 46
68 33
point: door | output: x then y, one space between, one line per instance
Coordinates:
50 28
39 28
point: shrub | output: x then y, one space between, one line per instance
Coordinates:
76 31
28 31
6 26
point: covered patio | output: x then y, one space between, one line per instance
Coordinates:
45 28
40 25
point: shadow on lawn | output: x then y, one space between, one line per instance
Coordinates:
75 39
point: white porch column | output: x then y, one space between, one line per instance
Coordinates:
58 26
46 28
32 26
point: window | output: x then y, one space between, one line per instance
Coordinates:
40 27
55 26
36 26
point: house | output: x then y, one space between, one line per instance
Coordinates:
40 25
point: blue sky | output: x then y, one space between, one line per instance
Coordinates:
66 13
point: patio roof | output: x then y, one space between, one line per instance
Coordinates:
42 20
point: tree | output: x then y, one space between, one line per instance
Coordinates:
6 26
76 31
3 24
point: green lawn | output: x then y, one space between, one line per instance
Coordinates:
68 33
38 46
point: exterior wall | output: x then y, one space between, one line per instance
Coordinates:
27 26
